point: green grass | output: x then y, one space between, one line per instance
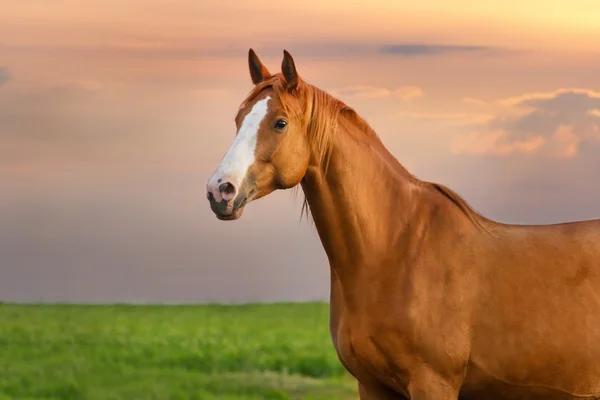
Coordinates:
275 351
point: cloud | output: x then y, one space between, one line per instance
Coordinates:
473 101
496 143
66 130
199 48
431 49
361 91
526 98
450 118
405 93
5 75
48 112
556 123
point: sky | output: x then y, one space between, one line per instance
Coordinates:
113 115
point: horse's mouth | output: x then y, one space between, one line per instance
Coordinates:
236 212
231 217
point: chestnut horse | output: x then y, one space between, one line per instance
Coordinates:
429 299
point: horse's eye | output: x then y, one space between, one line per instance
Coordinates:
280 124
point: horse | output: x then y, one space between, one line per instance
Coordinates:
429 299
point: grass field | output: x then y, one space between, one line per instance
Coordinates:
278 351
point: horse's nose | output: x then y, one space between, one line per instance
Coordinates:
227 191
221 190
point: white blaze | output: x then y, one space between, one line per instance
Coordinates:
240 156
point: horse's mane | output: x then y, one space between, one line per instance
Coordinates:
321 112
462 204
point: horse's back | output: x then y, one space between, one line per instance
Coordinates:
537 321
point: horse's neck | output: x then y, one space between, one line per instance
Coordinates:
361 204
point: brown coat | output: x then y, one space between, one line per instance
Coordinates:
429 299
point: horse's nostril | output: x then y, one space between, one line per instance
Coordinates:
227 190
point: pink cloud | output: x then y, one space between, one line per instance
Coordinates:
517 100
450 118
474 101
406 93
554 123
476 143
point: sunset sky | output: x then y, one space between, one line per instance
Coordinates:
113 114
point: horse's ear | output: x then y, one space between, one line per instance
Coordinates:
288 68
258 71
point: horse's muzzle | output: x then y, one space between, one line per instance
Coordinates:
227 210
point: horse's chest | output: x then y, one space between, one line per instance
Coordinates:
369 354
